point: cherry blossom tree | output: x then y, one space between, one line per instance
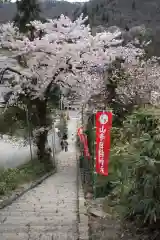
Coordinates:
62 53
142 83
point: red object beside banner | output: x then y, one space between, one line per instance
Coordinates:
86 149
103 127
83 139
80 133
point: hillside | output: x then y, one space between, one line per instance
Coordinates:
123 13
49 9
105 13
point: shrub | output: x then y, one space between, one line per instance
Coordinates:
135 166
10 179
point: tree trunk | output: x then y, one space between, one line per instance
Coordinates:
43 153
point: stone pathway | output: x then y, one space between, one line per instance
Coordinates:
49 211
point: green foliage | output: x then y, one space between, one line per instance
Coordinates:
55 96
13 121
63 125
90 134
135 166
11 179
22 120
27 10
78 143
115 77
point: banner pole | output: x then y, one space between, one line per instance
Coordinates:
94 157
82 114
82 149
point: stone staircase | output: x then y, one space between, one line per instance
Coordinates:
50 210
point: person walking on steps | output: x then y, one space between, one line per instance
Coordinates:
62 144
66 146
72 136
65 136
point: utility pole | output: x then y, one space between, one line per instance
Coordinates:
53 143
29 133
61 102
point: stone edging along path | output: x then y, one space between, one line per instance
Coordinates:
82 211
26 187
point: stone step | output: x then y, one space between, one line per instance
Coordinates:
51 203
28 217
42 227
33 220
57 212
59 191
52 208
32 235
43 212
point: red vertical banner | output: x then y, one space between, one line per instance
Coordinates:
83 139
103 127
80 133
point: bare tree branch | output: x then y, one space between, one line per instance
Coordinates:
10 70
5 70
60 70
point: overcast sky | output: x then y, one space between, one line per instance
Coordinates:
59 0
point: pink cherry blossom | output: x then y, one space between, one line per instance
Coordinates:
59 45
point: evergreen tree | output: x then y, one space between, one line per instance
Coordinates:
54 96
86 13
76 13
97 8
104 18
27 10
133 5
85 10
5 1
